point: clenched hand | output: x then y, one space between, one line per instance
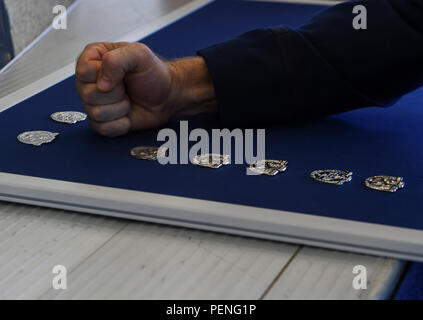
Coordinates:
125 86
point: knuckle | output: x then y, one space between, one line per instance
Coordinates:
123 127
89 111
86 93
81 71
81 90
121 110
90 46
79 87
126 104
96 113
110 59
113 129
84 52
104 130
146 49
139 46
140 50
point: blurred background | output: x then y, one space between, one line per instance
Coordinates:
41 51
29 18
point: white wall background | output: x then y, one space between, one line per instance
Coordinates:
29 18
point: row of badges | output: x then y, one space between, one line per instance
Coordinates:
38 138
215 161
273 167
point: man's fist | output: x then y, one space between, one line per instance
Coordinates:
124 87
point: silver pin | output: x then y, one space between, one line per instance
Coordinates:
212 160
148 153
37 138
385 183
268 167
70 117
338 177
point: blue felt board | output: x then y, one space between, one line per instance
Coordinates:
369 142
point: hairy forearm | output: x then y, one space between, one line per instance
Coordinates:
193 88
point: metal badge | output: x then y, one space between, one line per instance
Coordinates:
37 138
70 117
213 161
338 177
148 153
268 167
385 183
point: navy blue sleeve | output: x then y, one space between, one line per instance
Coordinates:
271 76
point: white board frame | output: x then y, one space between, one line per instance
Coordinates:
255 222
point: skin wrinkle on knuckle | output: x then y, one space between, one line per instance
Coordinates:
122 108
140 52
78 71
96 113
82 72
101 114
82 89
110 60
89 46
95 97
127 104
109 98
89 111
87 93
109 112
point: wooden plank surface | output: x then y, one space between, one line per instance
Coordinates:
33 240
147 261
328 274
110 258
